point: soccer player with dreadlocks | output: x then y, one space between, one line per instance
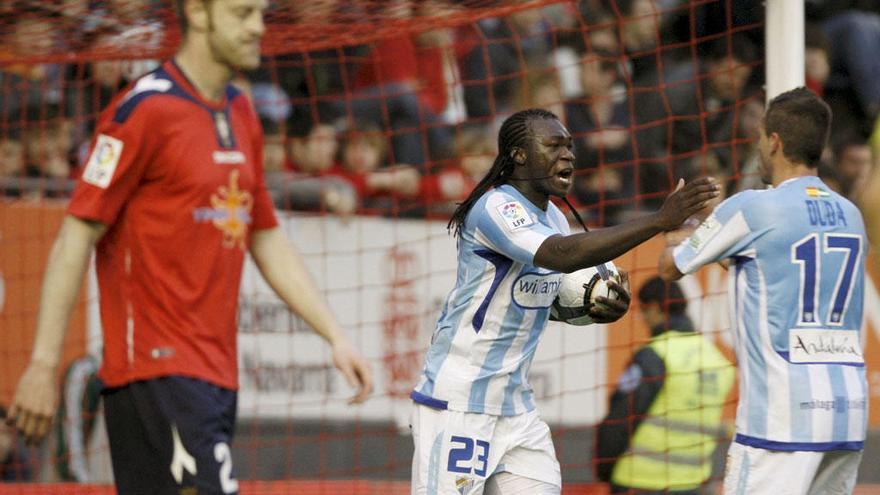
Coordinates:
474 422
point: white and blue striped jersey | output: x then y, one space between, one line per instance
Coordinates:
489 328
797 275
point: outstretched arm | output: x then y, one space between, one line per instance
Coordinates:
573 252
33 406
666 266
668 270
284 270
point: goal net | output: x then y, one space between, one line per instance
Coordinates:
379 116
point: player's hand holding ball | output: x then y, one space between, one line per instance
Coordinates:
585 297
612 306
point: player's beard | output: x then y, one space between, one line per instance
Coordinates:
221 51
225 51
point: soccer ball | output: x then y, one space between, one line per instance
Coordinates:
578 292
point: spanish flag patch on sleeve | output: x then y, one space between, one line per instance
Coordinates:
817 192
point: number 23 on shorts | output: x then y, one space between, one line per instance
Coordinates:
467 455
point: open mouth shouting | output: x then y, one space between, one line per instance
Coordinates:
564 176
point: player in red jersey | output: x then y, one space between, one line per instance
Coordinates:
171 199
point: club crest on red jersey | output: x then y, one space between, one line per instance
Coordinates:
232 212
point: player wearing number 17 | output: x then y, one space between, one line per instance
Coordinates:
171 200
796 262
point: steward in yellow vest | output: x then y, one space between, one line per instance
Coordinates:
664 420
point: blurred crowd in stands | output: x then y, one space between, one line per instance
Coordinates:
652 90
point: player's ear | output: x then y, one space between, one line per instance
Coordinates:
776 143
518 155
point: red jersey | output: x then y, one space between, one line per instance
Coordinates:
400 60
451 184
178 180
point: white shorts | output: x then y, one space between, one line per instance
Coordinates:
456 452
755 471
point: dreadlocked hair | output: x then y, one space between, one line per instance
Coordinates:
513 134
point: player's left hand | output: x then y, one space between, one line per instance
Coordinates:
606 309
355 369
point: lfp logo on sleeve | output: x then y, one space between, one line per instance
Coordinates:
514 215
101 165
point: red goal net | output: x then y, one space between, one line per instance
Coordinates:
379 116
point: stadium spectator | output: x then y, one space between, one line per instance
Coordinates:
789 248
12 164
132 12
273 107
600 117
48 143
652 35
171 200
830 176
468 405
599 120
325 193
816 62
108 28
11 155
748 161
139 28
392 98
305 182
15 466
702 116
362 162
80 19
363 148
409 84
596 27
712 20
442 190
696 111
312 140
538 89
851 89
853 161
664 419
25 84
495 53
108 75
477 151
315 73
310 147
590 24
440 85
704 164
640 31
35 155
90 85
273 149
